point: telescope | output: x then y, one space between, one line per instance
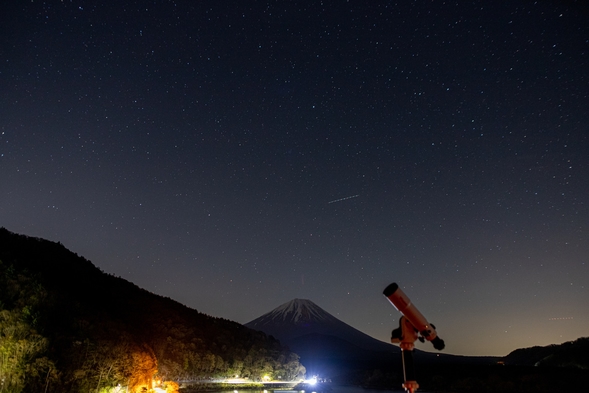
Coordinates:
412 326
402 303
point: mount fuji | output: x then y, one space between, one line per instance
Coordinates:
323 342
299 318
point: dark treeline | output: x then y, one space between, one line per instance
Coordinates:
483 379
563 367
65 326
572 354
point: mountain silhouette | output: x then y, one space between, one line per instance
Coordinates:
573 354
324 343
64 321
291 322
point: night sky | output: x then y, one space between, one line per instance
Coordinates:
234 155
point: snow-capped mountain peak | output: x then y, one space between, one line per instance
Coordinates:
296 311
299 310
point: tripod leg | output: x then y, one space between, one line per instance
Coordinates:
409 371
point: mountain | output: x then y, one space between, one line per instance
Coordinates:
326 345
66 326
573 354
298 318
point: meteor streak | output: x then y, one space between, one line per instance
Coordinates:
343 199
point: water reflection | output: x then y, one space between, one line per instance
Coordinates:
320 389
329 388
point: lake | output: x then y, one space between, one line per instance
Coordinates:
334 389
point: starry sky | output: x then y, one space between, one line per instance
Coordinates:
234 155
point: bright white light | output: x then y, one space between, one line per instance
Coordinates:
311 381
235 380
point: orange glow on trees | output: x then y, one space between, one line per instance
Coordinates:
143 369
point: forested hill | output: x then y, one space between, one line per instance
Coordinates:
573 354
66 326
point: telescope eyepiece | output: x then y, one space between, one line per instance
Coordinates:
438 343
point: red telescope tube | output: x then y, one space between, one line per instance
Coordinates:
402 303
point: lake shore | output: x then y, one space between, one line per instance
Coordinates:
226 386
